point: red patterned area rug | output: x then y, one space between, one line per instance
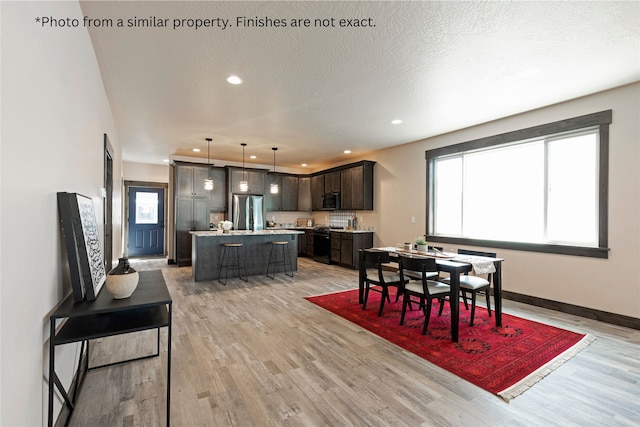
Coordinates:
505 361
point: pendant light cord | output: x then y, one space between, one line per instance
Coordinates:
208 159
274 159
244 173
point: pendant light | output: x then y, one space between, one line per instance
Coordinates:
208 182
244 185
274 184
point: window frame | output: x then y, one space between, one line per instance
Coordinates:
601 120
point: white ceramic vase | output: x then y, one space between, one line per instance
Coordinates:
122 280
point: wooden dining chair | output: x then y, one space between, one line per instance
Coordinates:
374 273
425 290
475 284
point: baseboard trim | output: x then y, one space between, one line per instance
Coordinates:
589 313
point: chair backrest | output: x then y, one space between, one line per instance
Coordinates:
373 258
419 264
477 253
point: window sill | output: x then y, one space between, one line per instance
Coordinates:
529 247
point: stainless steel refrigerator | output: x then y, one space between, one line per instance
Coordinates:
248 212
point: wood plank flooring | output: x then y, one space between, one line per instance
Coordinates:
259 354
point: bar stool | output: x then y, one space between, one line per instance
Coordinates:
273 258
227 263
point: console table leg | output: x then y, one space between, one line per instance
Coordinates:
77 386
52 351
168 366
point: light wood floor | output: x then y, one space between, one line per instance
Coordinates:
259 354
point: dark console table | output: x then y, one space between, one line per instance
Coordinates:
149 307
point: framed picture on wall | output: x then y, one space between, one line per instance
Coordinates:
82 241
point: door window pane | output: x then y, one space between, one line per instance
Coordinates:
146 208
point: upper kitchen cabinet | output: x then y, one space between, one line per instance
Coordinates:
354 182
289 193
189 182
356 186
332 182
317 192
304 194
255 178
217 196
287 197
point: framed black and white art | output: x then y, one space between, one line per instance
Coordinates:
82 243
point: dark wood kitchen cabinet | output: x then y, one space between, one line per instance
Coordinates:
345 246
309 242
332 182
194 204
356 186
317 191
304 194
287 197
302 244
354 182
187 179
255 178
335 248
218 196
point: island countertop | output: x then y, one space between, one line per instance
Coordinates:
244 233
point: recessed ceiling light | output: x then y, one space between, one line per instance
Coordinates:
396 121
304 165
234 80
197 150
252 157
347 151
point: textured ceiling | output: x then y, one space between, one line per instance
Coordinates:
315 91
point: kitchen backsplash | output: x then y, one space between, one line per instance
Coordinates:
340 219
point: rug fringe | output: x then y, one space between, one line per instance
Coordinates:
526 383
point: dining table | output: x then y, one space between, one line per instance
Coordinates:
456 265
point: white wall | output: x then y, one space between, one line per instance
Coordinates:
613 284
54 115
132 171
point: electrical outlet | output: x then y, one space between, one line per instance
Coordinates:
361 219
216 217
413 220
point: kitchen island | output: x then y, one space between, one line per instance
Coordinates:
206 250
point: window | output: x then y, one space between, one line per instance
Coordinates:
541 189
147 208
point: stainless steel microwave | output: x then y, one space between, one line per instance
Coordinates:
331 201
